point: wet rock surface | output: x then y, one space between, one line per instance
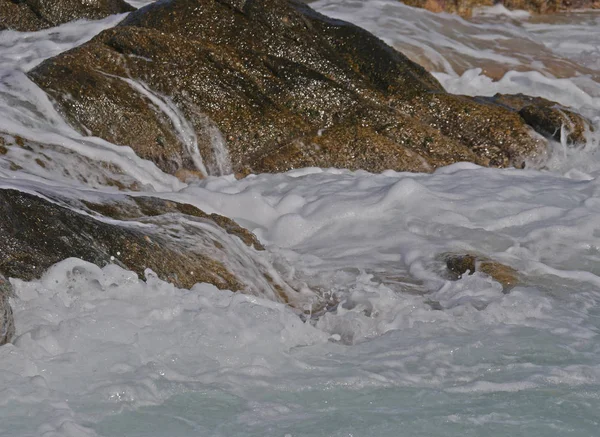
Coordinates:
550 6
60 164
461 264
32 15
7 323
180 243
465 7
546 117
279 86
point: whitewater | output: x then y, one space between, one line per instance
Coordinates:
401 349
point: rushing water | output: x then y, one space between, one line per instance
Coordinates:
406 352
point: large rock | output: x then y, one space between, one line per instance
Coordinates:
32 15
465 7
180 243
275 86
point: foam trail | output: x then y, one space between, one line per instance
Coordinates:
27 112
184 130
220 151
495 43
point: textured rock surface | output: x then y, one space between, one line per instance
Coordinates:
459 264
285 86
465 7
32 15
550 6
460 7
7 323
547 117
179 242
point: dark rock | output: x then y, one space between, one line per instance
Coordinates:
128 208
32 15
182 244
546 117
7 323
270 76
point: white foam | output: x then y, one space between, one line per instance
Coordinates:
500 10
399 346
183 128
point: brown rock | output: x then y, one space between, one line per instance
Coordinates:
460 7
550 6
271 75
494 134
56 161
182 244
32 15
546 117
458 265
465 7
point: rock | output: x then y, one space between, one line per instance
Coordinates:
550 6
357 147
546 117
7 323
128 208
180 243
32 15
460 7
495 135
458 265
279 86
59 163
465 7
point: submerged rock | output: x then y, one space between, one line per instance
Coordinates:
271 85
465 7
32 15
458 265
7 323
180 243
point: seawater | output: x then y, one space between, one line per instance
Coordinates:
406 352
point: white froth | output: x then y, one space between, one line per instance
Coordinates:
401 350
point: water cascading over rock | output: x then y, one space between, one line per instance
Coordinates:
285 86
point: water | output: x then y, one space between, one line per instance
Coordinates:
405 351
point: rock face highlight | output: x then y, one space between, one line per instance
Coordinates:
32 15
273 85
